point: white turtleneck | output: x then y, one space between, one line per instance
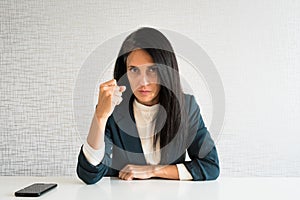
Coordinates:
145 118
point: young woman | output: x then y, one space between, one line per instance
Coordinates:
143 123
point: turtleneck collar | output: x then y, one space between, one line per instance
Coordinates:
147 112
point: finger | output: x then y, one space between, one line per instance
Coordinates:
122 88
127 169
122 172
129 176
126 173
109 83
109 88
122 175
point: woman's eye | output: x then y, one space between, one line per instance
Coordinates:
133 69
153 69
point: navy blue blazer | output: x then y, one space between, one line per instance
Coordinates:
122 149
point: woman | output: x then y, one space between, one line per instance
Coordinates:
144 123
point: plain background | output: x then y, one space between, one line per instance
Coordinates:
254 45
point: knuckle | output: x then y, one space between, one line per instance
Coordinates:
102 85
107 93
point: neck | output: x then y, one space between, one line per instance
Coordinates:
150 103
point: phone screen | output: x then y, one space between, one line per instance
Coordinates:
35 190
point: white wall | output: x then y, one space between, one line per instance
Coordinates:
254 45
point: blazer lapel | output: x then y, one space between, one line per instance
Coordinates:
129 136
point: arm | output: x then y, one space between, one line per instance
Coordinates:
204 164
203 168
175 172
129 172
89 167
90 172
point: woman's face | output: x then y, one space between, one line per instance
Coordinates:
143 77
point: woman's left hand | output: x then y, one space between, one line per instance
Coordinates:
129 172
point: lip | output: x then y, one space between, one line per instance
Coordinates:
144 92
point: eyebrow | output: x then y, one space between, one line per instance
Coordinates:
138 66
131 66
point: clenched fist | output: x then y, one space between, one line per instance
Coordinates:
110 95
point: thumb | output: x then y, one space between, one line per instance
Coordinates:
122 88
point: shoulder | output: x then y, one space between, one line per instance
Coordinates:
191 103
189 97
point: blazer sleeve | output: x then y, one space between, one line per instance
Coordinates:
89 173
204 164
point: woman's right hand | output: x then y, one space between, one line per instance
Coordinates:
110 95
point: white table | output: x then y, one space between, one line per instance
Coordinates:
70 188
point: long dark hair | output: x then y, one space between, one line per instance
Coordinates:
171 96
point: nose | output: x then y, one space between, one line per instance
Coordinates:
143 79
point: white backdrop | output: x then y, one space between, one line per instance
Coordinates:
254 45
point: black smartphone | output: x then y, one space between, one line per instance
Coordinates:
35 190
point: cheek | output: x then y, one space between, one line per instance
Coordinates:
157 88
133 84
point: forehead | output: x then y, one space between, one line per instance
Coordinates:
139 57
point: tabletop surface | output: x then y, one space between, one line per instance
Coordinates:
114 188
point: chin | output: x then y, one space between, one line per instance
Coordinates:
144 100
